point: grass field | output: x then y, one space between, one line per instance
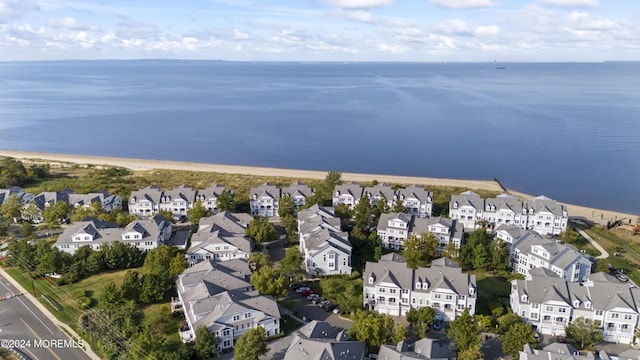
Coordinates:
491 289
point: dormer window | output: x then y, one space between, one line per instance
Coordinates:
488 207
524 298
337 193
576 303
587 304
371 279
472 291
455 205
418 285
565 214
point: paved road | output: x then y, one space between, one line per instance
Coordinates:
36 335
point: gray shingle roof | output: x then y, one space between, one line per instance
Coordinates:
297 189
423 349
385 191
184 192
226 222
319 340
467 198
415 191
353 188
150 193
265 189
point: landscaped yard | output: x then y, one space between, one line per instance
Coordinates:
491 289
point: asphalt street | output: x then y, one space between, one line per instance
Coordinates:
25 327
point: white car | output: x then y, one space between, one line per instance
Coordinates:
336 310
301 289
312 296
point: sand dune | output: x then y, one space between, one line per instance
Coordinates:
596 215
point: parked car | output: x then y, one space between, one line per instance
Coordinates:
301 289
336 310
298 285
330 306
323 303
306 293
622 277
312 297
317 300
437 325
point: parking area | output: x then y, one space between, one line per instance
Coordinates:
307 310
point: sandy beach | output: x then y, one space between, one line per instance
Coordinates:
592 214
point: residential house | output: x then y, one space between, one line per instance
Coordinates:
395 228
556 351
532 251
209 197
467 209
43 201
381 192
178 201
107 201
416 200
145 202
222 299
550 303
299 193
18 192
264 200
544 215
509 234
348 194
226 222
423 349
143 234
221 238
391 287
325 248
319 340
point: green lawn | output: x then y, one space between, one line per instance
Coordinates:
491 289
289 324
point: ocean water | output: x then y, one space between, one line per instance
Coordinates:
570 131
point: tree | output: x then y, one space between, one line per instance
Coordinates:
343 212
419 250
168 215
92 211
261 230
381 207
291 264
499 255
158 273
31 212
480 256
26 229
451 251
290 225
469 251
131 284
251 345
225 201
505 322
363 212
518 335
398 206
12 173
205 340
420 320
197 213
399 334
464 331
286 206
373 328
472 353
584 332
11 209
257 260
268 281
55 214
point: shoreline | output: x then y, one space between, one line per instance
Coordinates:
600 216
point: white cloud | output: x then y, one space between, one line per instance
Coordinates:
585 21
239 35
70 23
10 10
132 30
453 26
570 3
462 4
357 15
486 30
360 4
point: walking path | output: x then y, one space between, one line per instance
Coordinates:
603 253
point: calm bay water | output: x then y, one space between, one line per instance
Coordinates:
569 131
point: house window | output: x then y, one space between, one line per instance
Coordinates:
236 317
331 265
331 256
562 310
381 290
438 296
628 317
247 315
549 308
449 297
392 291
598 312
392 300
615 315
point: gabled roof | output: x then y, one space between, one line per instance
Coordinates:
212 191
324 238
315 211
385 191
543 203
51 197
216 238
297 189
319 340
150 193
505 202
467 198
423 349
226 222
265 190
184 192
415 192
383 221
353 188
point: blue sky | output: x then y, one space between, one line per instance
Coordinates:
321 30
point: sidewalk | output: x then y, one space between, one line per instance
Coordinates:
603 253
46 312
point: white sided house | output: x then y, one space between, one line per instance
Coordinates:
299 193
392 288
145 202
178 201
550 303
532 251
107 201
416 200
467 209
217 246
348 194
220 297
209 197
381 192
143 234
264 200
395 228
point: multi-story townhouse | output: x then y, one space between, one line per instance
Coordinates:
547 216
43 201
381 192
143 234
217 246
226 222
544 215
145 202
395 228
445 230
348 194
391 287
209 197
107 201
15 191
550 303
416 200
467 209
504 209
178 201
299 193
423 349
222 299
326 250
532 251
264 200
509 234
557 351
320 340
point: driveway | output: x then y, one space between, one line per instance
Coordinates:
304 307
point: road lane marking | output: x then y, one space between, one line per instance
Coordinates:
39 338
32 313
